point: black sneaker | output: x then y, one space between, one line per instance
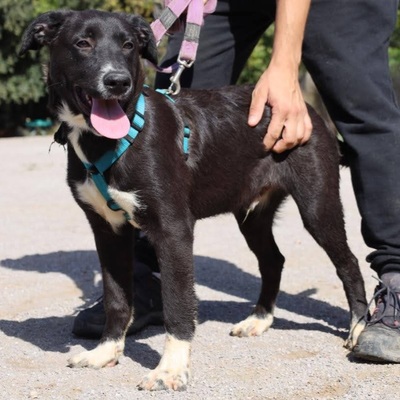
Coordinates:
90 322
380 339
145 253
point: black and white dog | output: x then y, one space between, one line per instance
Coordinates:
95 83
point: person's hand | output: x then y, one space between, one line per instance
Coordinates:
290 124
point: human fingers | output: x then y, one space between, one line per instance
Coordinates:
275 130
296 131
308 127
291 136
257 106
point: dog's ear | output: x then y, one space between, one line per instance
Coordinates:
146 38
43 30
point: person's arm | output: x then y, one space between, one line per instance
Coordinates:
278 86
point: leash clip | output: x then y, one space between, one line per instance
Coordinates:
175 86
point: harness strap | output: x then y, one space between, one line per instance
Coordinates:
102 186
186 136
97 169
111 156
186 129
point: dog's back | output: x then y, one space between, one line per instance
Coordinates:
230 167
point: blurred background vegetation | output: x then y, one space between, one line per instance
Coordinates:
22 87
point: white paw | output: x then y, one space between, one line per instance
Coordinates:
173 371
356 327
104 355
252 326
163 380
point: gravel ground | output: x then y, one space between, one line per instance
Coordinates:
49 271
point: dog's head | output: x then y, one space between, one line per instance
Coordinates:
94 68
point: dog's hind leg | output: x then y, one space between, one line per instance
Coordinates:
115 252
322 214
256 226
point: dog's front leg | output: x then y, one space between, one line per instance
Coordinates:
175 254
115 252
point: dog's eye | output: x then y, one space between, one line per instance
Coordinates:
128 46
83 44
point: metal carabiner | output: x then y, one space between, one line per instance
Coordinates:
175 86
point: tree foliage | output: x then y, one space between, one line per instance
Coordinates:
22 89
16 75
394 50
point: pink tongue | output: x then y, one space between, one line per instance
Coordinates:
108 118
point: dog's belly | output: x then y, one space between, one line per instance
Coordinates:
128 201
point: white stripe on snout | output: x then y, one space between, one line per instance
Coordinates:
103 72
106 69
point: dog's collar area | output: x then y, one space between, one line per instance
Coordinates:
97 169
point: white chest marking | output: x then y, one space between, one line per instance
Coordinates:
128 201
87 191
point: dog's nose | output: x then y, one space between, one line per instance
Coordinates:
117 82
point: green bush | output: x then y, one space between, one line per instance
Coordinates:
22 88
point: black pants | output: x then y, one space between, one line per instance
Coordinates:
345 51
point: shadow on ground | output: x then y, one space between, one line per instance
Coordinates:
54 333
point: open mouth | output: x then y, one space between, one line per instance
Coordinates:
106 115
83 99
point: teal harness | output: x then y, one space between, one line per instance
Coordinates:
99 167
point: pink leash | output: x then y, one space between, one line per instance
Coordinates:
196 10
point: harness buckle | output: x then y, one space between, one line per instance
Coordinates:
112 205
92 169
175 86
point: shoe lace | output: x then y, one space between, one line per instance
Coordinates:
387 309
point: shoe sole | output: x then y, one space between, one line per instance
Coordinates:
378 344
373 358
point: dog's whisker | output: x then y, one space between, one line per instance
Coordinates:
54 84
